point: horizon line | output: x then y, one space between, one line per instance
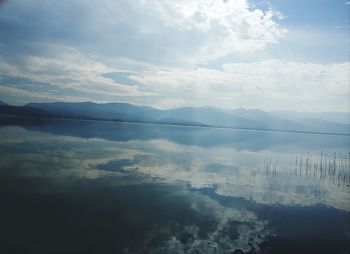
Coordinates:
180 107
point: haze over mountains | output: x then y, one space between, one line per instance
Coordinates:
336 122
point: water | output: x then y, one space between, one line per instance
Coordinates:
99 187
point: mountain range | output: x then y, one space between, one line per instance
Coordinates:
336 122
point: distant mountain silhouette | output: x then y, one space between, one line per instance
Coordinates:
201 116
23 111
338 117
268 119
213 117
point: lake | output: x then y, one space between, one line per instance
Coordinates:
102 187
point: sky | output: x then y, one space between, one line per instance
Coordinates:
259 54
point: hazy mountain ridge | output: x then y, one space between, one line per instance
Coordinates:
201 116
266 118
23 111
338 117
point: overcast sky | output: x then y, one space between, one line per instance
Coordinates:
265 54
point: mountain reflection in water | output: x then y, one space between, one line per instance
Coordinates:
94 187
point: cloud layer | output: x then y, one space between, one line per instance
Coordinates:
267 84
186 30
162 54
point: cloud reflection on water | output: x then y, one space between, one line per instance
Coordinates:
223 169
231 172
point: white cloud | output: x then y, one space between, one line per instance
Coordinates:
176 32
69 69
268 84
227 26
15 96
162 43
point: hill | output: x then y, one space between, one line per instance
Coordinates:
201 116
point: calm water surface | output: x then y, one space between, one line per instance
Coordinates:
98 187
